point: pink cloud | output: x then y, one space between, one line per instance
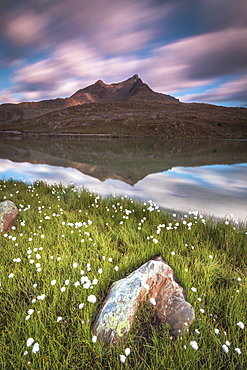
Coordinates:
228 91
89 40
6 96
27 28
69 68
113 27
168 69
197 60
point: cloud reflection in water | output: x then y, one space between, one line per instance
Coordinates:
217 190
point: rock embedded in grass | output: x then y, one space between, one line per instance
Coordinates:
154 281
8 213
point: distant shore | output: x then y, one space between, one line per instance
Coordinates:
110 136
17 133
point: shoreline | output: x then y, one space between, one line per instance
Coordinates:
110 136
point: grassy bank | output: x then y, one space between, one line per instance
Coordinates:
68 245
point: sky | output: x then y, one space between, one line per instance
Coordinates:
195 50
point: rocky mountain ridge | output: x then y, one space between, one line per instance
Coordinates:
128 108
99 92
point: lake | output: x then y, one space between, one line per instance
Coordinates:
208 176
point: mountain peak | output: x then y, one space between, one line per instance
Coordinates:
133 88
133 78
100 82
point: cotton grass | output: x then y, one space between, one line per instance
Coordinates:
53 284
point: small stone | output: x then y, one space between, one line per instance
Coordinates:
8 214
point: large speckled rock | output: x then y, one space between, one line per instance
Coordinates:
154 282
8 213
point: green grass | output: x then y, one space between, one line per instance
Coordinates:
59 226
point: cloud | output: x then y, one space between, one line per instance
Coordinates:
70 67
232 91
27 28
221 14
83 41
173 45
188 63
112 27
7 96
198 60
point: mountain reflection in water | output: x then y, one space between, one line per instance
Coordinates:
204 175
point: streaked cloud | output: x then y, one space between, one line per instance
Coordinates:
51 49
27 28
198 60
232 91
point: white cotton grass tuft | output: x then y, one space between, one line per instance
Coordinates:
41 297
94 339
122 358
127 351
240 324
30 341
225 348
59 318
238 350
91 298
153 301
17 260
194 344
35 348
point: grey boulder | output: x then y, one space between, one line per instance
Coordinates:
153 282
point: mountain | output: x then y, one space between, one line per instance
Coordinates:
133 88
128 108
99 92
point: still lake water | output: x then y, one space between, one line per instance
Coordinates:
209 176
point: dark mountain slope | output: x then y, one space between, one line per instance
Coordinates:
99 92
128 108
